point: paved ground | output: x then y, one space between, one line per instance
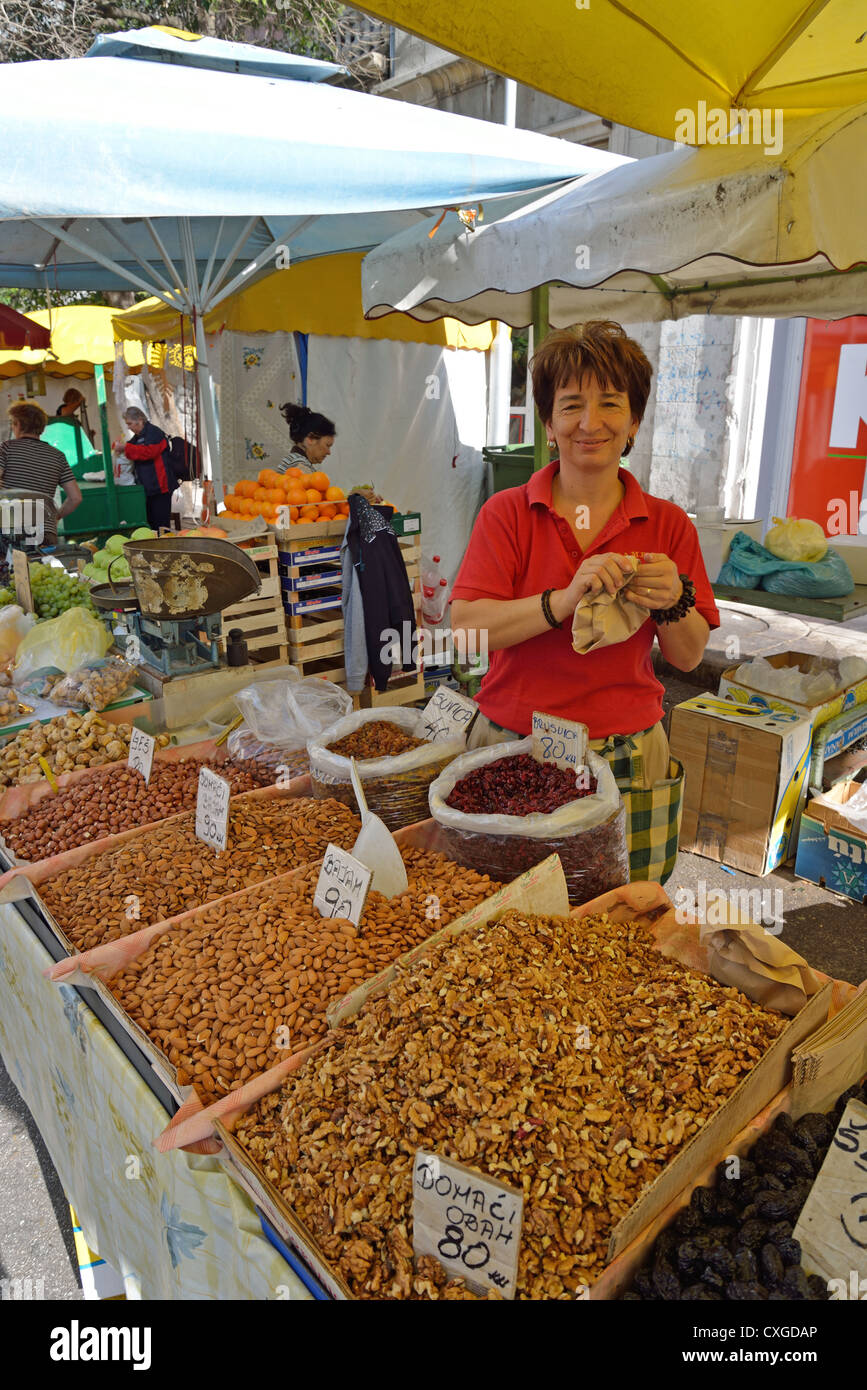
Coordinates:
829 931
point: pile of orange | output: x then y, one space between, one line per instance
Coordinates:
309 497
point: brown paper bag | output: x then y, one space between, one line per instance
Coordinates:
603 620
752 960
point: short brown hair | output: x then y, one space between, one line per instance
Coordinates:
599 347
29 416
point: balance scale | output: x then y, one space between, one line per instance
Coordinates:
174 602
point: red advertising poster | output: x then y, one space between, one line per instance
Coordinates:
830 453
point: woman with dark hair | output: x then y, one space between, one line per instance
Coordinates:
583 526
312 438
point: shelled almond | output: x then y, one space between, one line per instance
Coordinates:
232 992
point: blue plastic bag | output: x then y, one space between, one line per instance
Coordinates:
751 566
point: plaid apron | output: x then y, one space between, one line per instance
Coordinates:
653 814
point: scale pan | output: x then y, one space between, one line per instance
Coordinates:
189 576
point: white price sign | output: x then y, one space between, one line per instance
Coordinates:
448 714
468 1222
212 809
832 1227
342 886
559 741
141 753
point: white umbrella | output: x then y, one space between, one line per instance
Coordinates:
725 229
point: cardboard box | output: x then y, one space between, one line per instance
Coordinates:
730 689
745 781
831 851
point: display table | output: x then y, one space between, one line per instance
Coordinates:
173 1225
833 610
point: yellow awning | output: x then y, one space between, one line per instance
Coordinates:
642 63
81 336
321 296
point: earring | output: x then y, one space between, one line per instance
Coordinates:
552 444
630 443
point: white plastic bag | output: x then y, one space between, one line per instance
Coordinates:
589 834
14 627
287 713
396 787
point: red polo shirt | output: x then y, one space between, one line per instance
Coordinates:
521 546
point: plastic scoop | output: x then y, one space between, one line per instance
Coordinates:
376 848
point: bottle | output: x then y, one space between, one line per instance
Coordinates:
434 591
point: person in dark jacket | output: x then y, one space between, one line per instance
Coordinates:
148 451
377 598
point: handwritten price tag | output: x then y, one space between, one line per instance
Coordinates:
832 1227
559 741
141 753
448 714
468 1222
212 809
342 886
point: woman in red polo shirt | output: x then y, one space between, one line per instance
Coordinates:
571 530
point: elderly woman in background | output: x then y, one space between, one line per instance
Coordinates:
30 464
148 451
583 526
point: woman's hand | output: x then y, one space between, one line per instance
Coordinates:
656 583
594 575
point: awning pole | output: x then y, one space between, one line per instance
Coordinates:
209 443
541 327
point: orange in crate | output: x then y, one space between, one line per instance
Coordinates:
328 512
313 496
320 481
334 494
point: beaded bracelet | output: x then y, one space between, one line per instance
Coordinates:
683 605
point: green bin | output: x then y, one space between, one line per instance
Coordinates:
511 465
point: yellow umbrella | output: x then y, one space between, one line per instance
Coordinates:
646 62
321 296
81 337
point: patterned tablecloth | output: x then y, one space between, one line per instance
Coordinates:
172 1225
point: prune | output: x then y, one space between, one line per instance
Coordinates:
666 1244
721 1235
852 1093
749 1213
753 1234
721 1262
630 1297
689 1257
666 1282
742 1290
687 1221
703 1201
801 1161
771 1264
779 1231
746 1265
817 1287
778 1296
769 1182
776 1205
790 1250
713 1280
794 1281
783 1124
745 1191
699 1293
643 1284
727 1180
812 1130
724 1210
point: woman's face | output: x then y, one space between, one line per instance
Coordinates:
317 447
590 424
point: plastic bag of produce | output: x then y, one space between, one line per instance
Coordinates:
395 784
752 566
280 716
14 627
804 541
589 833
96 685
73 639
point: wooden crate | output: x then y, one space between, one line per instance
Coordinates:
260 617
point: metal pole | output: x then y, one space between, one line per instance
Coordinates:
209 443
107 460
541 327
500 392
